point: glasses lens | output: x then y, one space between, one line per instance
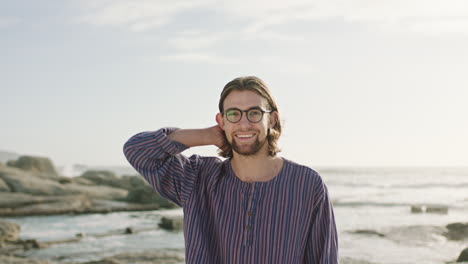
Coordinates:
254 115
233 115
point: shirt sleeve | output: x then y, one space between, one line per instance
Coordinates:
322 240
157 158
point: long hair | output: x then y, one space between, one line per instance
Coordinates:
255 84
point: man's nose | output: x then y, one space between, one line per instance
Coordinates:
244 121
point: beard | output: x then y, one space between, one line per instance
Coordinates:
251 150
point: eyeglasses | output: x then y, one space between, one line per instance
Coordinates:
254 115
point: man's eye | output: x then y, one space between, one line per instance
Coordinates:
255 113
232 113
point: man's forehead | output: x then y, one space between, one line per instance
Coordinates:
244 100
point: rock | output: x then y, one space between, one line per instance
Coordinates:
9 231
368 232
97 192
146 195
129 230
17 260
32 244
105 261
3 186
417 209
156 256
102 177
35 164
438 209
433 208
172 224
463 256
17 204
457 231
27 182
23 204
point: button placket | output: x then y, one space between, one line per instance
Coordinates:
249 214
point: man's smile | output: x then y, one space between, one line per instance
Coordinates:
244 136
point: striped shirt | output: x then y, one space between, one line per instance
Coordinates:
288 219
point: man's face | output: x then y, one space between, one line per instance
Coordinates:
246 138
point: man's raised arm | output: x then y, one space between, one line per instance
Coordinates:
199 137
156 156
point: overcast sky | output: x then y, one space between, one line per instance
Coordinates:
358 82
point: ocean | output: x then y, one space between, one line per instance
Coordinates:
372 210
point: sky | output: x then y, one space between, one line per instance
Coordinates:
358 82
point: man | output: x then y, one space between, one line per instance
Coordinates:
253 207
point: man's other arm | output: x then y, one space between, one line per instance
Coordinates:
322 241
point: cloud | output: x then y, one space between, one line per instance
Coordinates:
400 15
196 40
198 57
437 28
6 22
136 15
263 15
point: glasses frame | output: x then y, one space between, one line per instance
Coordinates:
247 113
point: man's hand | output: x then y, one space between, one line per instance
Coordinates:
218 137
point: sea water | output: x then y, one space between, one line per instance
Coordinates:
376 200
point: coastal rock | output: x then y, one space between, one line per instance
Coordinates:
97 192
172 223
26 182
31 186
3 186
16 204
457 231
463 256
430 208
158 256
9 231
368 232
34 164
108 178
146 195
17 260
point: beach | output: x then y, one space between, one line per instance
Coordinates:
383 215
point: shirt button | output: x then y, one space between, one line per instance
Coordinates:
249 213
247 227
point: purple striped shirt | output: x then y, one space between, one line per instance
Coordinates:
288 219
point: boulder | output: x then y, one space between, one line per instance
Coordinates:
18 260
457 231
172 223
146 195
97 192
103 177
16 204
430 208
154 256
368 232
463 256
35 164
26 182
3 186
9 231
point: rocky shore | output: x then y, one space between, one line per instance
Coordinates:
31 186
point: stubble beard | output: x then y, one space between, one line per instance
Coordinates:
254 148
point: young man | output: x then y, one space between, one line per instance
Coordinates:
253 207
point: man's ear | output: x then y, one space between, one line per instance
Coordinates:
220 120
273 119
